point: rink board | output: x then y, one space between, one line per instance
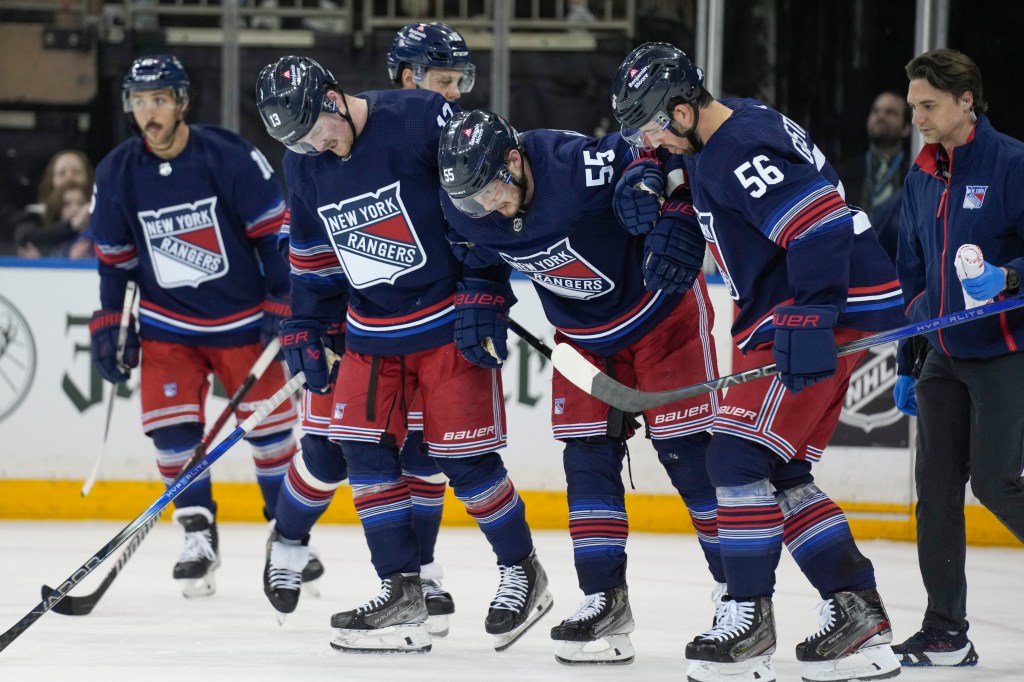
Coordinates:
53 407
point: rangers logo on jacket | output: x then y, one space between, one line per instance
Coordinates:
373 236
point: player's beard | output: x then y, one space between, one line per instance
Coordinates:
158 137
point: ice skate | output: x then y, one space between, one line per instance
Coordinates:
200 558
852 642
312 572
598 633
738 648
282 573
522 599
392 622
932 646
439 606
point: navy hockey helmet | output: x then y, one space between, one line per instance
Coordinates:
471 156
155 72
290 94
430 46
651 76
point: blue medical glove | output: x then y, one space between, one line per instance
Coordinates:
905 395
303 349
481 321
105 328
674 250
805 344
636 196
989 284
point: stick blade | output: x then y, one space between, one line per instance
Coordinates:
574 367
69 606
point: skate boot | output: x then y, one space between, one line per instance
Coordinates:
439 602
852 642
312 572
598 633
522 599
932 646
282 573
199 558
392 622
739 646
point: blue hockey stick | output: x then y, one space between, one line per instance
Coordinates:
578 370
153 510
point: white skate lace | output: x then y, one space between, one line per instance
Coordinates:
379 600
431 588
591 607
512 589
826 617
283 558
198 546
732 618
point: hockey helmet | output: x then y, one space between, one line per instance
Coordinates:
430 46
290 94
155 72
651 76
471 158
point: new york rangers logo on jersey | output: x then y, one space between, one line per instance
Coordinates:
374 238
562 270
184 243
707 228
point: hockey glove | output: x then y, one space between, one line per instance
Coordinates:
805 344
905 395
481 321
275 311
637 196
674 250
303 350
986 286
105 328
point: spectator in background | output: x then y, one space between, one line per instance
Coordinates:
67 165
874 181
65 218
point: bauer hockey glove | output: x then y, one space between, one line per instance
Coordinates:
275 311
986 286
304 351
481 321
674 250
904 393
105 329
805 344
637 200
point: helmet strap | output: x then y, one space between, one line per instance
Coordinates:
348 119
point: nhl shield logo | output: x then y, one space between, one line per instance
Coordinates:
563 271
374 238
868 404
974 197
184 243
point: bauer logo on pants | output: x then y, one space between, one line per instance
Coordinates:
185 244
374 238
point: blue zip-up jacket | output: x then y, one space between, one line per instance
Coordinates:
974 197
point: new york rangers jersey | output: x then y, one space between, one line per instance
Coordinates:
370 226
584 266
198 232
780 229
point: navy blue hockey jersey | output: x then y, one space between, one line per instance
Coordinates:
781 231
587 270
197 232
370 226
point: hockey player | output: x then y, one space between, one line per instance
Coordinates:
541 202
431 56
191 213
365 219
806 272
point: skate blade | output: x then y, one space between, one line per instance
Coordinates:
870 663
197 588
411 638
609 650
758 668
540 609
437 626
312 588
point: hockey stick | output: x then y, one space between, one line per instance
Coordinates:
580 372
122 341
153 510
525 335
84 604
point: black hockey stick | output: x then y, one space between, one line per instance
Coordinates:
84 604
580 372
525 335
152 511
